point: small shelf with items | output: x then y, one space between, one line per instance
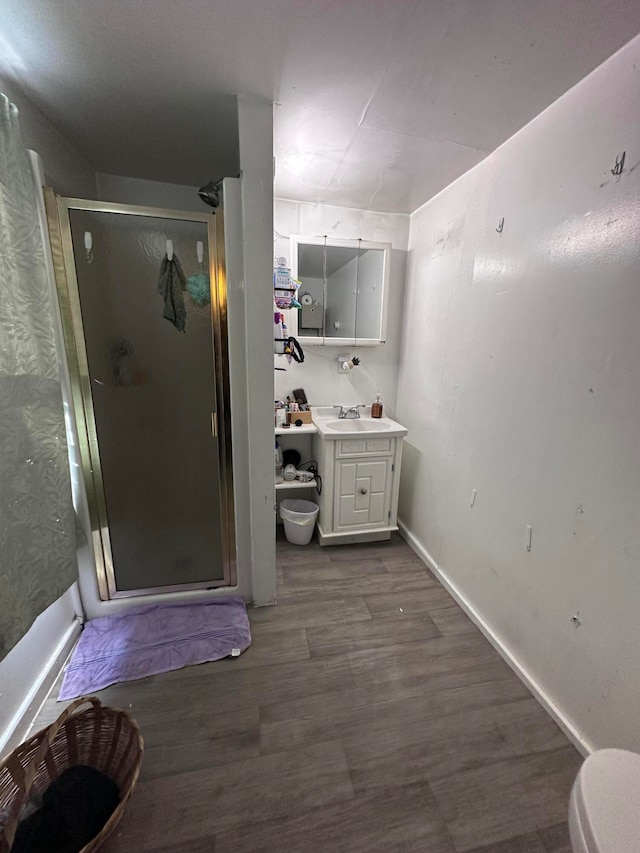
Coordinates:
295 431
296 484
294 446
305 429
285 288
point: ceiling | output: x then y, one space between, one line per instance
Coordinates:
379 103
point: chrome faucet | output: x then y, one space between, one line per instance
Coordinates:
348 411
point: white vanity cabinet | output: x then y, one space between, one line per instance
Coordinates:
360 482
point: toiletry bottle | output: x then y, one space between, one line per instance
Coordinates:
376 408
278 345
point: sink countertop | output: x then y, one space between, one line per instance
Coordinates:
332 428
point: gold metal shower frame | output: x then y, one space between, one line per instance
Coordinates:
82 401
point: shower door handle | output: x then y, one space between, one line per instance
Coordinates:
214 424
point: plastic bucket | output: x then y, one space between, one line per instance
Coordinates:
299 519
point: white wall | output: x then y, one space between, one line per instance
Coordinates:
518 378
122 190
27 672
255 128
318 375
65 169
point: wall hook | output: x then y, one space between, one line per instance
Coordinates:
618 168
200 250
500 227
169 250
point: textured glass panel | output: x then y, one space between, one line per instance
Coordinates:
342 286
311 266
153 395
369 301
342 277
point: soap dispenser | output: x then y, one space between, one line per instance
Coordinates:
376 408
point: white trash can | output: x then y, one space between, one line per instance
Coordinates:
299 519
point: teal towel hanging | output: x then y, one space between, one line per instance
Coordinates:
199 287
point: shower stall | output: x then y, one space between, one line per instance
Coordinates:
150 399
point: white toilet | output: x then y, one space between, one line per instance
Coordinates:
604 812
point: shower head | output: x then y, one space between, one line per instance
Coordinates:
210 193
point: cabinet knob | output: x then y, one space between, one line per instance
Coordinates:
363 491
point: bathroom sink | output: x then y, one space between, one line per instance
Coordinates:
333 428
358 425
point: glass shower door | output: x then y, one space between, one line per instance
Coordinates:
152 397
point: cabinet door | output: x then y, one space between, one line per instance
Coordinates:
362 493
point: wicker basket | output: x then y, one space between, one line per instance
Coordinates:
104 738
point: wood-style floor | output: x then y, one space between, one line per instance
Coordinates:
368 715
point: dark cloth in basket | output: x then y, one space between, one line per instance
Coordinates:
74 809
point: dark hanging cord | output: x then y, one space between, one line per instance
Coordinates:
293 348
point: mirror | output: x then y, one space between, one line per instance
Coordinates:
343 289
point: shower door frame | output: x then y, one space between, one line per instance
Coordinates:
58 218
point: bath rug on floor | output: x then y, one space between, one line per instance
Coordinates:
151 639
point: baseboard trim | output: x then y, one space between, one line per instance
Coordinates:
20 724
347 537
574 735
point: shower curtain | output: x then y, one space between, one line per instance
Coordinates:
37 522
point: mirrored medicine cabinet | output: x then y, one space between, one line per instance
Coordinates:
343 291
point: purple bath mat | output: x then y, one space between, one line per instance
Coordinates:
151 639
